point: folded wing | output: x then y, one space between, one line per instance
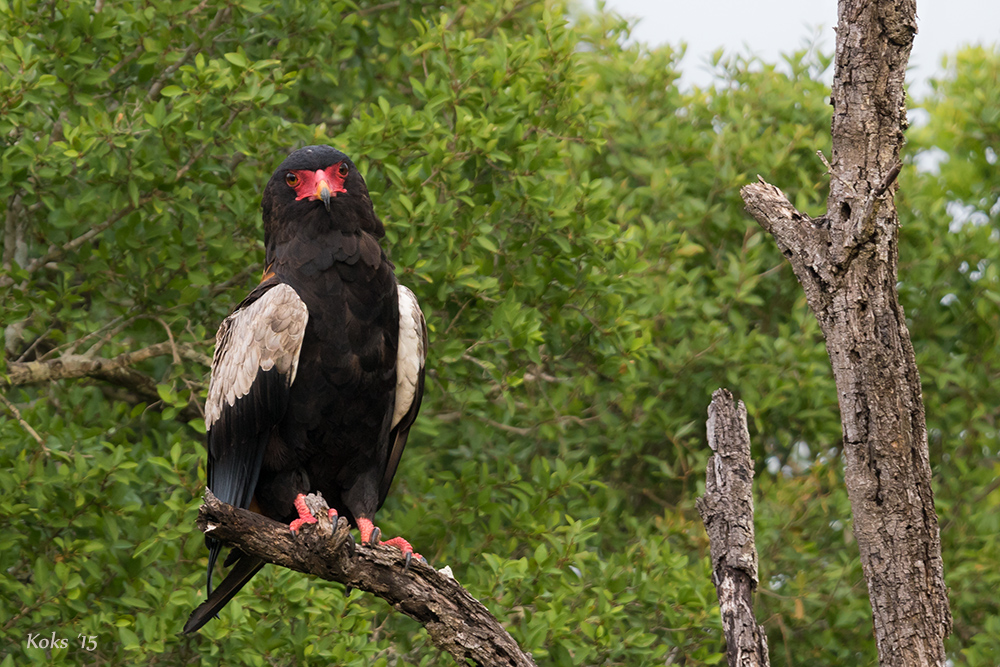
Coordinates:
411 354
256 358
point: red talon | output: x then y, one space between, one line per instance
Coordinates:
305 516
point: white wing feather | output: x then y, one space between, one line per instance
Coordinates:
266 334
410 354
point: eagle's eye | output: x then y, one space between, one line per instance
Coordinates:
291 179
343 169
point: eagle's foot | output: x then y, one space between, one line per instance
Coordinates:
407 550
305 516
370 534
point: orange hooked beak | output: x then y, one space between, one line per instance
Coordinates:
323 192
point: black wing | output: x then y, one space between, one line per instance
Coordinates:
411 354
256 359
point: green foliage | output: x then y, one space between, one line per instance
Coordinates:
571 223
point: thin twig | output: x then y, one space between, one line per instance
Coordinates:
14 247
867 228
24 424
71 346
160 82
377 8
454 320
204 146
170 339
34 344
517 8
888 180
124 61
236 279
455 416
56 252
197 10
456 18
832 174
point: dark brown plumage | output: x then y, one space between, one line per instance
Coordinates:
318 373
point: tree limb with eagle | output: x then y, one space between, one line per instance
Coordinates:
317 377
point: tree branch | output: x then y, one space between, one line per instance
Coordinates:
456 622
375 9
77 365
56 252
161 81
115 370
233 113
727 510
803 241
23 422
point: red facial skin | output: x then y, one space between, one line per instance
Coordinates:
309 184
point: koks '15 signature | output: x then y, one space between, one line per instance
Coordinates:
87 642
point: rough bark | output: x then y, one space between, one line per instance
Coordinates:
115 370
727 510
847 264
456 621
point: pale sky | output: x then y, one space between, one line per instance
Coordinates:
770 27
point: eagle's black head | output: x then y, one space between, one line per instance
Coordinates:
318 187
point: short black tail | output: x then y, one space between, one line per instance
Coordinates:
243 570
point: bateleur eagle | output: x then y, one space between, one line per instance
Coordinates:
318 373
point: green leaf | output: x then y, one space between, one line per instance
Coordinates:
237 59
487 243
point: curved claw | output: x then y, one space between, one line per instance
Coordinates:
376 537
411 556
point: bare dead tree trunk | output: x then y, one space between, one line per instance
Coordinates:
847 265
727 510
456 621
